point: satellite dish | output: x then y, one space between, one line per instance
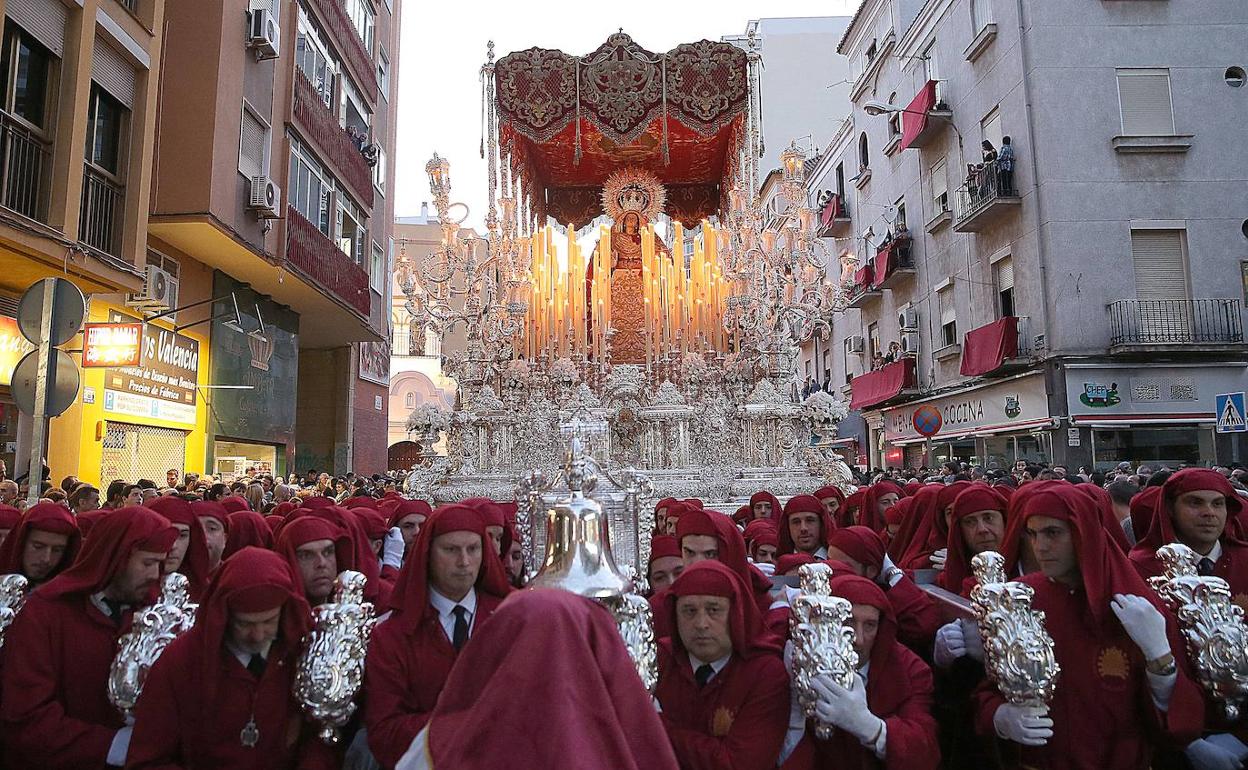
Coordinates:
890 214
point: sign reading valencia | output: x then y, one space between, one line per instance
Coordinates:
112 344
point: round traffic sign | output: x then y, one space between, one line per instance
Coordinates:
68 310
927 420
62 394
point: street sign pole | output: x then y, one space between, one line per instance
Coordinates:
44 384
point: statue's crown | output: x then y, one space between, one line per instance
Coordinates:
633 198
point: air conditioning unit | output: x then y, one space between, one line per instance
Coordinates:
910 343
264 35
160 292
266 197
908 318
856 344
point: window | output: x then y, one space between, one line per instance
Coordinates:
383 73
894 118
990 128
1144 102
364 19
377 269
106 125
1160 269
352 233
840 182
253 145
409 400
310 188
864 156
948 317
313 58
353 115
1004 269
28 72
163 261
931 70
379 169
940 186
899 223
873 340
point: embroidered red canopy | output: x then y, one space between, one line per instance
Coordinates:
568 122
884 383
914 119
986 348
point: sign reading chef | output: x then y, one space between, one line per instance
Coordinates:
1013 404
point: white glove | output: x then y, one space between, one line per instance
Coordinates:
974 642
950 644
1026 725
1144 623
938 558
1205 755
392 549
846 708
120 747
889 574
767 568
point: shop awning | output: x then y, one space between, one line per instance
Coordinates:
914 119
986 348
879 386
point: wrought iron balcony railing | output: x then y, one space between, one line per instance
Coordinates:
102 211
986 186
1176 322
25 165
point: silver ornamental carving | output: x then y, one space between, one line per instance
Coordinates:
12 599
822 642
633 618
152 628
1018 651
331 667
1212 625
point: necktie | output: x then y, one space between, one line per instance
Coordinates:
115 610
703 674
256 665
460 637
1204 567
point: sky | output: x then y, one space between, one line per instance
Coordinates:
443 46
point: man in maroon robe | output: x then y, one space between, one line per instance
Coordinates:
9 516
1124 684
665 562
450 584
723 689
492 713
877 499
54 707
316 550
220 695
884 720
805 527
832 499
765 505
189 553
44 542
976 524
215 520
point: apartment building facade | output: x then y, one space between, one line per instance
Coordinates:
1077 300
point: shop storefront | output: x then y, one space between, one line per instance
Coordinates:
1160 415
12 347
138 421
993 424
254 375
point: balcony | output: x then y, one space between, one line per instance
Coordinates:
25 164
862 290
360 60
1176 325
999 348
894 263
925 117
318 258
988 194
890 381
334 143
834 217
100 216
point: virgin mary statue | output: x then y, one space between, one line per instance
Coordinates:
632 197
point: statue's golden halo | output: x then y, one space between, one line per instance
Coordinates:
633 189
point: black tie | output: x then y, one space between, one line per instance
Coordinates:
460 637
115 610
1205 567
256 665
703 674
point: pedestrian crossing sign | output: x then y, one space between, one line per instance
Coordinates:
1230 410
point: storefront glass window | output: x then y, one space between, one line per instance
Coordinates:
1156 446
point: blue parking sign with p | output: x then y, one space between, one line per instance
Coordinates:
1230 411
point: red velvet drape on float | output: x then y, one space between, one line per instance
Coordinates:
914 119
879 386
987 347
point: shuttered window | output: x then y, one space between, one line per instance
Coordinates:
1158 259
1005 274
940 186
44 19
1144 101
991 128
948 317
253 145
111 71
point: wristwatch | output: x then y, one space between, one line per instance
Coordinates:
1163 666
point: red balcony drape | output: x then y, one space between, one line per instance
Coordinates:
879 386
914 119
831 210
883 264
986 348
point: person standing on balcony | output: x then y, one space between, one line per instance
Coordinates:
1005 167
984 179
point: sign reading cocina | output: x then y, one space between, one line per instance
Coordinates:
112 345
12 347
163 387
1022 402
